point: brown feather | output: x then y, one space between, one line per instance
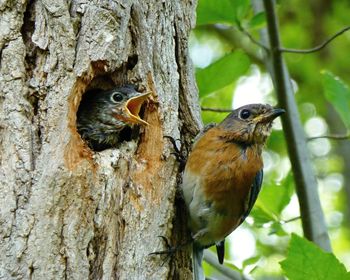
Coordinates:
227 180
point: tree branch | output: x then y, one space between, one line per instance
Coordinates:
211 259
218 110
251 38
319 47
313 220
283 222
333 137
234 37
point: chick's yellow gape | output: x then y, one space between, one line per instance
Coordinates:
102 115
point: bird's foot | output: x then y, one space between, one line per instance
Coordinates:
180 157
170 251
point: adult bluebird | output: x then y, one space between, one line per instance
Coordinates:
223 176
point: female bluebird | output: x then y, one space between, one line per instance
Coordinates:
223 177
103 114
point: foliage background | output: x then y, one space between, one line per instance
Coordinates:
230 72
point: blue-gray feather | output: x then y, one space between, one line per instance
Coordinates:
253 194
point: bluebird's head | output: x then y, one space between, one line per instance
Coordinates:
103 114
251 123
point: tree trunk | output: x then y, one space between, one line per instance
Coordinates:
66 211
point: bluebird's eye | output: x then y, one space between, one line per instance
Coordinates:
117 97
244 114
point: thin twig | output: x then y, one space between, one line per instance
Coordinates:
283 222
211 259
319 47
251 38
332 136
313 220
218 110
233 37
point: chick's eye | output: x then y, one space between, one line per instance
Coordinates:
244 114
117 97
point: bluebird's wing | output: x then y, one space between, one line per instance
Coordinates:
253 194
220 250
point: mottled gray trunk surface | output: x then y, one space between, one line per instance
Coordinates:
67 212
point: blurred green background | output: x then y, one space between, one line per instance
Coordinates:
230 72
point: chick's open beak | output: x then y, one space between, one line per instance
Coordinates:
269 116
133 107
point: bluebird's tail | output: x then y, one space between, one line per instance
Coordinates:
197 257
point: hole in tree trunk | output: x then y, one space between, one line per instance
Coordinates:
106 117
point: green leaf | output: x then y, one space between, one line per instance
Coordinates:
274 198
211 12
277 229
221 98
222 72
250 261
307 261
242 8
233 266
338 94
222 11
257 21
261 216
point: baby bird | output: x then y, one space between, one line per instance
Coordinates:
102 115
223 176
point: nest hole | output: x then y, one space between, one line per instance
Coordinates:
98 121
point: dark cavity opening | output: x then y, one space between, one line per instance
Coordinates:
98 121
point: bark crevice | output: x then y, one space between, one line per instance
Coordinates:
69 212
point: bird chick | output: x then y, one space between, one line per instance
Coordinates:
102 115
223 177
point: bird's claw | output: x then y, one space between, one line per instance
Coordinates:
173 141
177 152
169 252
165 240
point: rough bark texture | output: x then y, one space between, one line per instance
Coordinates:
68 212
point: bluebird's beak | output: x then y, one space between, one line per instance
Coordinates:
133 107
269 116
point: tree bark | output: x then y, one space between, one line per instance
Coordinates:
68 212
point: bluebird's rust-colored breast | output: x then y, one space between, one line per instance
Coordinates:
223 177
227 171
